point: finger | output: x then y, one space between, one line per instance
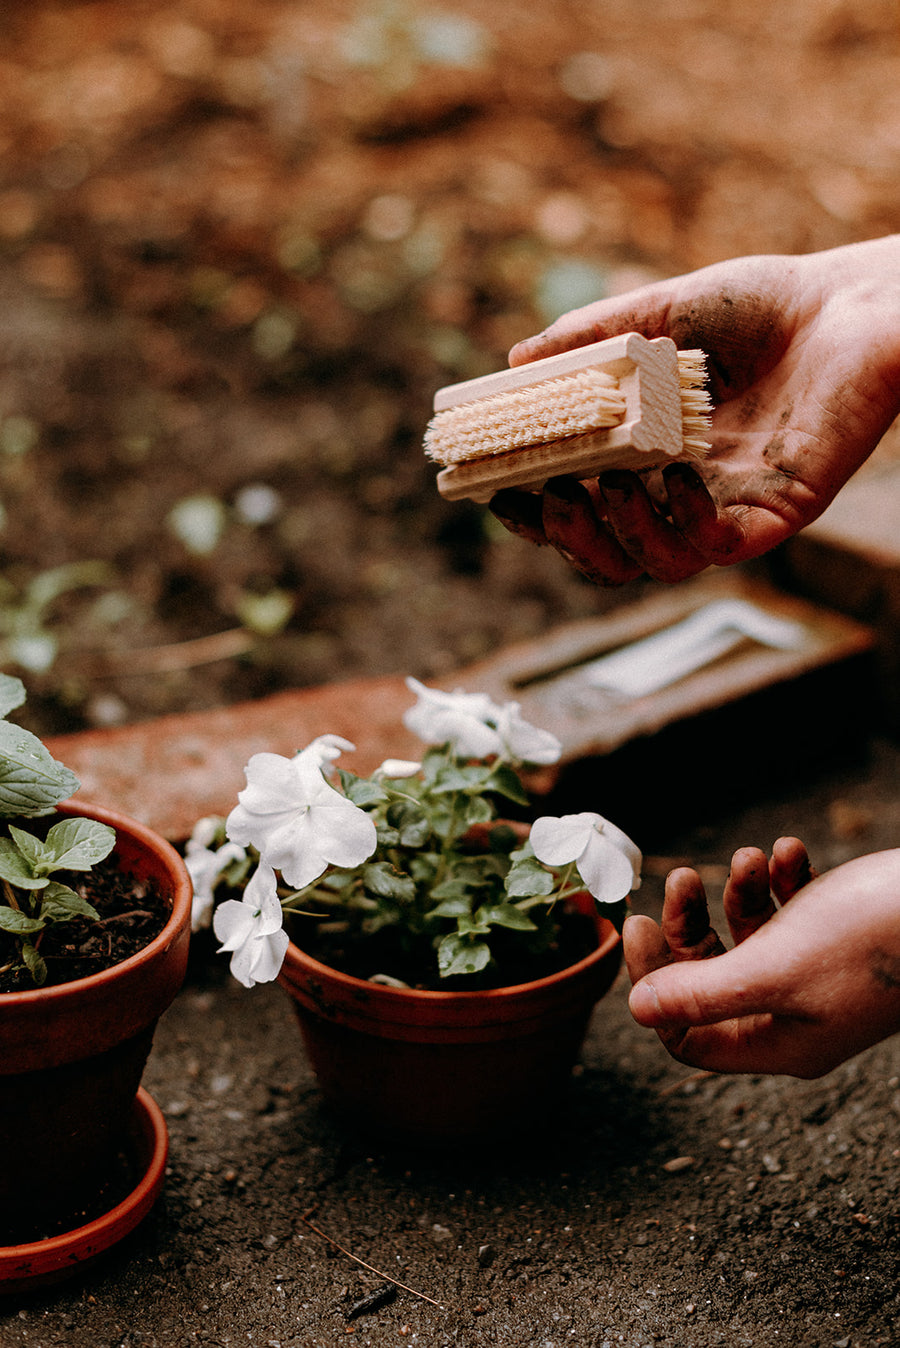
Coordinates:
716 534
520 512
738 983
747 897
644 534
685 923
643 310
757 1044
572 526
644 946
790 868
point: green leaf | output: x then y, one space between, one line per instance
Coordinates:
527 878
12 693
469 777
31 848
78 844
59 903
411 821
505 781
387 882
471 926
504 915
359 790
19 924
457 955
460 906
34 963
31 781
16 868
478 810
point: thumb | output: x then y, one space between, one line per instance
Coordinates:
703 992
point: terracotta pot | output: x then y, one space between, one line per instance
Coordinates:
437 1067
72 1055
25 1268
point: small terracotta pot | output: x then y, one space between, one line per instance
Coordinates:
25 1268
72 1055
438 1067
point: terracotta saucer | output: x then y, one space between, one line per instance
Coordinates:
25 1268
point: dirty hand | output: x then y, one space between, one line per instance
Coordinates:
814 976
804 363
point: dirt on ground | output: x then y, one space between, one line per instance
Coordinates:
663 1209
241 246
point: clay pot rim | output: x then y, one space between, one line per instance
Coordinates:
181 909
609 939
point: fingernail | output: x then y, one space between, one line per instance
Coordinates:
565 489
616 488
643 1002
682 475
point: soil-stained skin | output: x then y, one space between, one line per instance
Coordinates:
738 330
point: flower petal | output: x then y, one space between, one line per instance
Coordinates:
523 741
624 844
261 895
397 768
607 873
559 839
232 924
345 835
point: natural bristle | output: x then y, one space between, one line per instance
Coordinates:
628 402
553 409
696 405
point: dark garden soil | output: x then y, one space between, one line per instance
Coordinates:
131 913
560 940
242 245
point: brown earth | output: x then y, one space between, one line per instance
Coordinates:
240 247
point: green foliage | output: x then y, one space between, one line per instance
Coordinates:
32 783
450 889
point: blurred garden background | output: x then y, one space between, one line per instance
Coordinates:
242 245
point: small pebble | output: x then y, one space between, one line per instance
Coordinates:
679 1163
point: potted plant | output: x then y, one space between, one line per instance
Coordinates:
443 963
94 932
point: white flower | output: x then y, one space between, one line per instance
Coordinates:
465 721
324 749
204 866
607 860
397 768
524 742
251 929
297 822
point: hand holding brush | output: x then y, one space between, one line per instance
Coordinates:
803 361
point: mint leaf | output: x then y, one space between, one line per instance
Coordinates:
15 868
12 693
20 924
31 781
77 844
31 848
59 903
34 963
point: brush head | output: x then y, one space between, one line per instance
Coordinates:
623 403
